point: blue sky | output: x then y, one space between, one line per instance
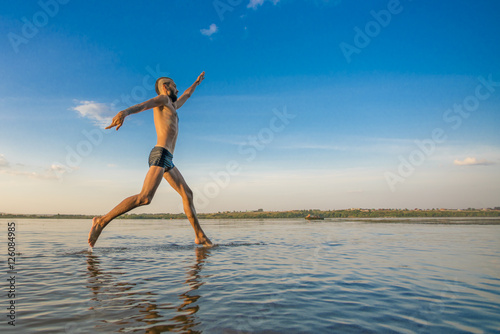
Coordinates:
326 104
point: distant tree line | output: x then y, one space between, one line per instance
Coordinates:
260 214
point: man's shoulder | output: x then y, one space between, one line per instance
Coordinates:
163 98
165 102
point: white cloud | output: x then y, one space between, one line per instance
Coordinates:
100 113
57 169
51 173
255 3
210 31
473 162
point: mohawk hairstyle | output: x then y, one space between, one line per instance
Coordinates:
160 82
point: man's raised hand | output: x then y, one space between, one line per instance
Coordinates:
117 121
200 78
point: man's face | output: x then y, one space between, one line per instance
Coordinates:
172 91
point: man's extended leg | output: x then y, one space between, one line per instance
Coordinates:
177 182
151 183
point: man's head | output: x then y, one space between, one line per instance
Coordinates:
166 86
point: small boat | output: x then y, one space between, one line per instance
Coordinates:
313 217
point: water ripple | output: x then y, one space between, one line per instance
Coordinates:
326 277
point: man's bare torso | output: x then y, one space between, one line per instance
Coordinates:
167 125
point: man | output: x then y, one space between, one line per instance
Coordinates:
166 121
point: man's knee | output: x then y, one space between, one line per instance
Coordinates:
144 199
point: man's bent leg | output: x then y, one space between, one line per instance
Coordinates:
151 183
175 179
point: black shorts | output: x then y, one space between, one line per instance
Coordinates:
161 157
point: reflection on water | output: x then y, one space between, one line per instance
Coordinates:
285 276
109 292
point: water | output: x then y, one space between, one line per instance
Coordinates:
265 276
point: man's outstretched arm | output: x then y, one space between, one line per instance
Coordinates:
149 104
188 92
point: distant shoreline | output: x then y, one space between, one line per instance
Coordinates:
260 214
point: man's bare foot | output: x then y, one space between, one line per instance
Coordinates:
203 240
95 231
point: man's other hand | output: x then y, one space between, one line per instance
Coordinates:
117 121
